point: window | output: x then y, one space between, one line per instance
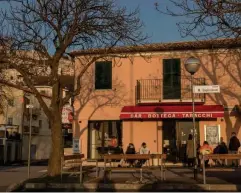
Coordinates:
171 79
10 121
40 124
11 102
99 135
103 75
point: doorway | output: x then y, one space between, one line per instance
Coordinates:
175 136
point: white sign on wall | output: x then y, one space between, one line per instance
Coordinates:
76 148
212 134
206 89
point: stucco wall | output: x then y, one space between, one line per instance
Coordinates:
217 68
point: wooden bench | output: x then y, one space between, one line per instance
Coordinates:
72 162
108 159
217 157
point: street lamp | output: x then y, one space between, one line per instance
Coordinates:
192 65
30 107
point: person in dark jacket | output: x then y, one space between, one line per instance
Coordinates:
221 149
234 144
131 150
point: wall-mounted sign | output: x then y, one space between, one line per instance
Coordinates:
206 89
76 147
212 134
67 114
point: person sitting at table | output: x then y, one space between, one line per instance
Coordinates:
113 142
143 150
131 150
221 149
204 150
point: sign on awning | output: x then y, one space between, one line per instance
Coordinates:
171 112
206 89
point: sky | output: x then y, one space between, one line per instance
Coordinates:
160 27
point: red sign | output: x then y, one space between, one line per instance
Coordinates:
174 115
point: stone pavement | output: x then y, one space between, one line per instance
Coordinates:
14 174
177 178
180 175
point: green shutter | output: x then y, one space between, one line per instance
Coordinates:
171 79
103 75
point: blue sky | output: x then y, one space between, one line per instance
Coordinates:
161 28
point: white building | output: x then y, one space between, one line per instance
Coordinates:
16 118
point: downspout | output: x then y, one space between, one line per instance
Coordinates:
131 97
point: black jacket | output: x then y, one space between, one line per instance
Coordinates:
234 144
130 150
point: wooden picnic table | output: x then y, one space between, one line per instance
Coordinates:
216 157
108 158
73 161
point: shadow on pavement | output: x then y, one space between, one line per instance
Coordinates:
231 177
159 186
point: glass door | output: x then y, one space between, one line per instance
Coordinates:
184 128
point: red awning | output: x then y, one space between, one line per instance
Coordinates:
174 112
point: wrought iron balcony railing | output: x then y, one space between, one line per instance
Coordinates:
155 90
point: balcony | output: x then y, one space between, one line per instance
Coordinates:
153 91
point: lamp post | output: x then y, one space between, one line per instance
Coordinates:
5 137
192 65
30 107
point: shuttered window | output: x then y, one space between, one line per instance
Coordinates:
171 79
103 75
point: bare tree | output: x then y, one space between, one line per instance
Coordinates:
50 29
206 18
4 90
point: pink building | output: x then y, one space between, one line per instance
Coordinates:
143 94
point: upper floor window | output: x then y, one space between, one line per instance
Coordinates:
103 75
11 102
171 78
40 123
10 121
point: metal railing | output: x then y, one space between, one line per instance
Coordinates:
154 90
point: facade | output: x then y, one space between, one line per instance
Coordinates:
15 117
143 94
16 121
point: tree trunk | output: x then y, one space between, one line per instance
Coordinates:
54 165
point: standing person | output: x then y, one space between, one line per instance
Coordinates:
234 144
190 151
198 154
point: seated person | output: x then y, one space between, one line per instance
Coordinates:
204 150
113 142
131 150
221 149
143 150
239 152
